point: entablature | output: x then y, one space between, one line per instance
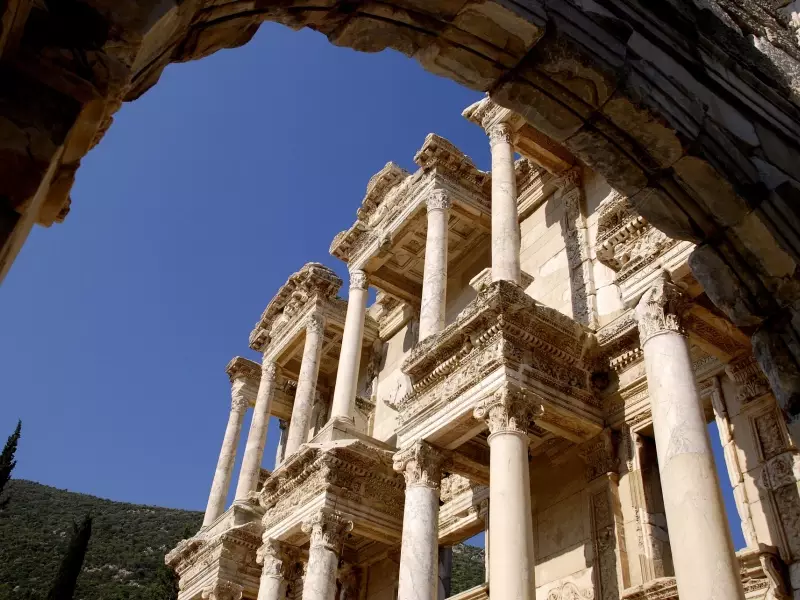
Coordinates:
502 335
250 372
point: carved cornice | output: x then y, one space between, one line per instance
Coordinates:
502 327
354 471
660 310
440 155
487 112
242 368
312 281
327 530
421 465
381 193
509 410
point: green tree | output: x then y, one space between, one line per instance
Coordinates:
165 587
7 462
67 577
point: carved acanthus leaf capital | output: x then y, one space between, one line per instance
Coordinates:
315 325
421 465
223 590
438 200
327 530
238 401
359 280
508 410
275 558
500 132
660 310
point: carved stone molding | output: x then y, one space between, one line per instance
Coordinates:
276 558
509 410
359 280
223 590
421 465
660 310
500 132
438 200
327 530
600 455
242 369
570 591
750 381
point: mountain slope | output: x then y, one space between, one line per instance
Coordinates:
128 543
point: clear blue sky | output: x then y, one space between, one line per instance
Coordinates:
205 195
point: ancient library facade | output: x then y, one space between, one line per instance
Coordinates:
540 364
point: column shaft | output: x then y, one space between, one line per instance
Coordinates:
511 563
281 449
306 386
705 563
344 395
227 457
419 550
272 585
445 572
257 437
434 282
505 220
328 532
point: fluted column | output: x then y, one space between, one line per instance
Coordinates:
434 281
306 385
421 466
344 395
328 532
257 436
275 562
509 415
702 550
227 454
280 451
505 220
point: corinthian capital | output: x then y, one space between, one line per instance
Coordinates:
275 559
327 530
508 410
315 324
223 590
500 132
358 280
660 310
438 200
238 401
269 369
421 465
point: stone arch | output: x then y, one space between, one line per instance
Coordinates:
688 107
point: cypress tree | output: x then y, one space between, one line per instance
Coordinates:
66 579
7 462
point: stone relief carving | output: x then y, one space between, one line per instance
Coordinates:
570 591
501 132
509 409
660 309
327 530
223 590
421 465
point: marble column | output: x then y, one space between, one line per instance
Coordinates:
705 563
421 466
281 449
344 395
275 564
505 219
227 455
509 414
257 436
328 532
434 280
306 385
445 572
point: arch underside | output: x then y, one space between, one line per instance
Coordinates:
692 113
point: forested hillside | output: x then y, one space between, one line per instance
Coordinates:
127 545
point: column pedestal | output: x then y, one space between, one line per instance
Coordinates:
328 532
257 437
227 456
344 395
434 282
419 551
511 562
705 563
505 219
306 385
